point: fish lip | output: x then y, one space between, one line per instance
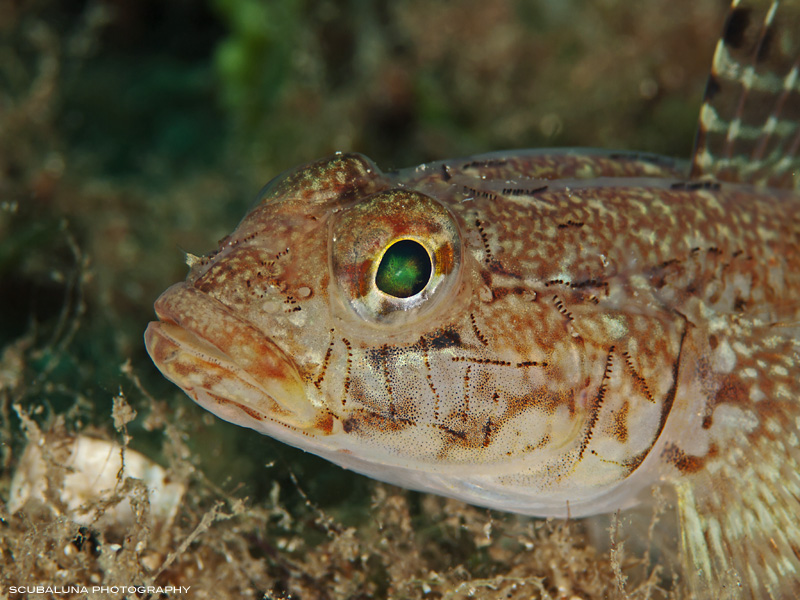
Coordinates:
225 363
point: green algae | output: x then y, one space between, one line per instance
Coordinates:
129 133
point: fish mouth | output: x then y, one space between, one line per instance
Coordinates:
225 364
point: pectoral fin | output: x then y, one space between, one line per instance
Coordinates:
740 512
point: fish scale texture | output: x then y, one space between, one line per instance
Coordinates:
593 323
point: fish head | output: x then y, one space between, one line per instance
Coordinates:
230 335
329 246
367 321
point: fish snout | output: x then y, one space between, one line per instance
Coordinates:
225 364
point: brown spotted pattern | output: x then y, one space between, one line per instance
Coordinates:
586 339
550 357
594 323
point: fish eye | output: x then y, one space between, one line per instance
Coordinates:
404 270
395 256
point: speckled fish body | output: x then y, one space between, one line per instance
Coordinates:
586 325
574 321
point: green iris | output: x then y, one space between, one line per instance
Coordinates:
404 270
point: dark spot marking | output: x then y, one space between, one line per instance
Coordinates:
323 369
364 420
570 223
482 361
481 338
597 404
250 412
712 88
765 45
324 423
634 462
459 435
523 192
579 285
447 337
487 432
554 282
561 308
731 391
446 173
375 357
685 463
496 362
736 26
485 238
620 427
589 283
538 445
639 383
347 377
475 192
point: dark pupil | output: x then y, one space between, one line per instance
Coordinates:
404 270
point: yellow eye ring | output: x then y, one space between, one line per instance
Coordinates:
394 256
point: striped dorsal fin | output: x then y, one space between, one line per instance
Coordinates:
749 127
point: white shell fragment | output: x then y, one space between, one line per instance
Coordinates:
90 478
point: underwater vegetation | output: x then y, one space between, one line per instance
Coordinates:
131 131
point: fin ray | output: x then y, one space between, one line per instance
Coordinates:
749 126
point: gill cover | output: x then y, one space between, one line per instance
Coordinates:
395 255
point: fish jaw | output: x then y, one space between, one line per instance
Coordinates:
226 365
